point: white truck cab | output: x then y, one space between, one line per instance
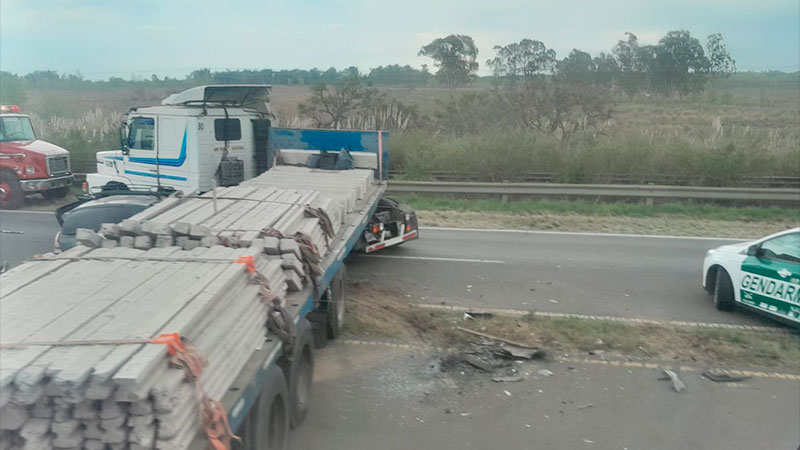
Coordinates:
193 140
221 135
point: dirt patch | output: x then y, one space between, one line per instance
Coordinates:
675 226
375 312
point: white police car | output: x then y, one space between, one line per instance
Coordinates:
762 275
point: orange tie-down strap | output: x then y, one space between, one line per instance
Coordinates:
215 419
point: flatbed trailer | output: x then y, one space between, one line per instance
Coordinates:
252 380
269 393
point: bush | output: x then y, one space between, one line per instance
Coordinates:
512 154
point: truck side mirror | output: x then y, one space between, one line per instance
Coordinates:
123 138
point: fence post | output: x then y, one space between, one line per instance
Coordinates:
504 197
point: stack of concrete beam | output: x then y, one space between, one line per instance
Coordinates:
94 394
239 215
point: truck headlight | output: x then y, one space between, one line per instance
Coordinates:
711 252
30 170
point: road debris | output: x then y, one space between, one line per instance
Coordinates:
507 379
588 441
507 393
721 376
494 338
586 406
677 384
545 373
522 352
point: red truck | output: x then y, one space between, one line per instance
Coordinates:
29 165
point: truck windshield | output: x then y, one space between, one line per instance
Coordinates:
16 128
142 134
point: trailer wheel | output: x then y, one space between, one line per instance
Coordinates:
10 191
337 303
266 427
299 370
56 193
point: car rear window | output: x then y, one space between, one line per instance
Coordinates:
93 217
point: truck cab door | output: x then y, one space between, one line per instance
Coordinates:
141 150
157 151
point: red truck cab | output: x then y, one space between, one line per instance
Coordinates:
29 165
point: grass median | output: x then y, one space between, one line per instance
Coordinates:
375 312
678 219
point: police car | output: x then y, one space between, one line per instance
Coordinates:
762 275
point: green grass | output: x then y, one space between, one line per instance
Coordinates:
375 312
582 207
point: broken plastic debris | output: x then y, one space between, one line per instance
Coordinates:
552 300
545 373
507 393
677 384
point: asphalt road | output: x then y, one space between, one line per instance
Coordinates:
596 274
23 234
376 396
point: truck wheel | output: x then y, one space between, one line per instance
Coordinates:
114 186
266 427
53 194
10 191
337 307
299 370
723 291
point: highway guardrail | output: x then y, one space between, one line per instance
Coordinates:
648 193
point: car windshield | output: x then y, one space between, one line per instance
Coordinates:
93 217
16 128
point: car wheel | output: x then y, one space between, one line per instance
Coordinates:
10 191
723 291
57 193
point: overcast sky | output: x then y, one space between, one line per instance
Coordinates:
102 38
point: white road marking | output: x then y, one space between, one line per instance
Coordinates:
431 258
583 233
16 211
630 320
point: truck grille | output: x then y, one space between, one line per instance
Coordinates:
58 165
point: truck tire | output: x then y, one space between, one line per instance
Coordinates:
56 193
337 303
299 370
723 291
266 426
114 186
10 191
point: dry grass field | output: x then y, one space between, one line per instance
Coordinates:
714 137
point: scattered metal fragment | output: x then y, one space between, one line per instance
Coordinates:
508 379
522 352
721 376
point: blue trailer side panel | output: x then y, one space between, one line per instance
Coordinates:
331 140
